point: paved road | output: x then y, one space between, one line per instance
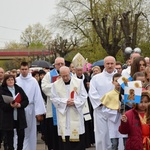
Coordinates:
41 145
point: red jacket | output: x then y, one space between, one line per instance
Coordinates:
134 130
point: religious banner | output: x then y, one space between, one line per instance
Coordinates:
124 79
132 95
135 84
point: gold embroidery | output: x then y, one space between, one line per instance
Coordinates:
79 62
75 90
75 132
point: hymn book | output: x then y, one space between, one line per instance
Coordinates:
9 99
54 78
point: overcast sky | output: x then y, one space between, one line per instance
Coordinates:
16 15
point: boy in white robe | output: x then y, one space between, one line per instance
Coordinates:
111 102
69 96
36 107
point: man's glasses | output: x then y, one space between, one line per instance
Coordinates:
58 64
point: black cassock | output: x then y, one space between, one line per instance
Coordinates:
72 145
89 125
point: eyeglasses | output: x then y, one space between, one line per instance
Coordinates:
118 68
58 64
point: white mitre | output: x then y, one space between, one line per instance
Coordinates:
78 61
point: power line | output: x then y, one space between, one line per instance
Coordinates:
5 39
10 28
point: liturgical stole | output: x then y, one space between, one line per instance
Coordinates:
74 115
53 73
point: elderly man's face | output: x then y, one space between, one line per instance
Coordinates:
79 72
65 74
59 63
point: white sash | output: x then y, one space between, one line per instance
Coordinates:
86 112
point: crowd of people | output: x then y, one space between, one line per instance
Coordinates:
75 109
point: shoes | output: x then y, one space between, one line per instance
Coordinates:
93 145
43 138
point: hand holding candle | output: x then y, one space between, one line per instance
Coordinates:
70 101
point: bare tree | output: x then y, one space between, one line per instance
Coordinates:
36 34
117 23
62 47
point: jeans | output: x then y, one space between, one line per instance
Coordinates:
115 143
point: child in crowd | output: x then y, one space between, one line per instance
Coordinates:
136 124
112 104
141 77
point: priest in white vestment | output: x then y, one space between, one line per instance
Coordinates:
69 96
36 107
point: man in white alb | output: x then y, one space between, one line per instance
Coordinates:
35 108
99 86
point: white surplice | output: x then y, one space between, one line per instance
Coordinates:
46 88
60 93
36 107
100 84
111 107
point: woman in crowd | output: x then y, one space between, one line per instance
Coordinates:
13 114
138 65
96 70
